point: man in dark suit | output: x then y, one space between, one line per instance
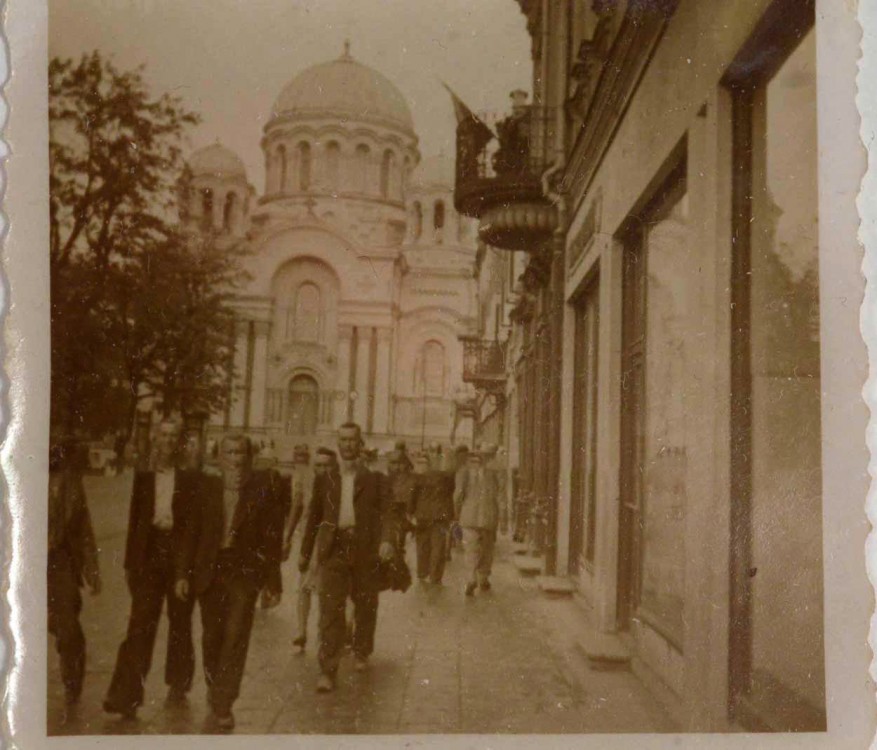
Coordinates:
161 502
433 510
72 562
230 551
353 525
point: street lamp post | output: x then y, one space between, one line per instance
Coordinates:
423 408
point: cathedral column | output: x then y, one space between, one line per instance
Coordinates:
363 349
256 417
239 378
342 380
382 381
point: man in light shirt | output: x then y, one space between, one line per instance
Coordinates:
161 501
353 524
477 508
230 551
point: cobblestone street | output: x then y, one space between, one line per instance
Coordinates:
500 662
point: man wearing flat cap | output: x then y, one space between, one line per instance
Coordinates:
477 509
432 509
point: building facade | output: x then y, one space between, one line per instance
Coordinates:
660 342
360 269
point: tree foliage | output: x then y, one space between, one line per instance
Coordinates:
137 301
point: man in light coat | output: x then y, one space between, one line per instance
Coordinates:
477 509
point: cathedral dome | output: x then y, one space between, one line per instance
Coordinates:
218 161
346 89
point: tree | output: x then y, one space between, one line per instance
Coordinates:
138 302
175 329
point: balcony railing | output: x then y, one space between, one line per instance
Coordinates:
483 363
499 176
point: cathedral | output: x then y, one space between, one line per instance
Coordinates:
360 269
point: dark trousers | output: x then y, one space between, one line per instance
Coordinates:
150 587
64 605
432 548
227 609
341 577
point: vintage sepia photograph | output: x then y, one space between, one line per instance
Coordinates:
451 368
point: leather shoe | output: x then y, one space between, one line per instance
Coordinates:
325 684
470 589
127 712
224 722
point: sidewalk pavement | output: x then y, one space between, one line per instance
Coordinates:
443 663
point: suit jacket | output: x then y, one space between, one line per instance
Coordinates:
377 517
477 502
435 501
257 529
70 530
142 510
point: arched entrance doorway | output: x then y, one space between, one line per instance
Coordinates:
302 415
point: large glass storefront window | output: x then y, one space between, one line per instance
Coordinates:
656 350
583 510
777 657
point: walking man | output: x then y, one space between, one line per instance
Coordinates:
404 492
231 550
351 526
477 506
432 509
161 503
325 469
72 559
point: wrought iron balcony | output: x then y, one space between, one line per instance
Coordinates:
499 177
484 363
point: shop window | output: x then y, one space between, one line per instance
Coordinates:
583 510
656 353
777 642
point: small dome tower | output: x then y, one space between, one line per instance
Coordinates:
218 194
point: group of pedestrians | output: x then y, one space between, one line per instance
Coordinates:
218 537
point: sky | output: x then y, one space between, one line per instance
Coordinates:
229 59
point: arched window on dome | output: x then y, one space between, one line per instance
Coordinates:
333 163
417 219
304 318
438 220
388 163
206 209
304 166
360 168
230 213
429 372
282 167
406 174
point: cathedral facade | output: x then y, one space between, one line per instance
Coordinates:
360 268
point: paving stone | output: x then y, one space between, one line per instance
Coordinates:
492 662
